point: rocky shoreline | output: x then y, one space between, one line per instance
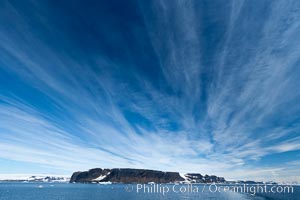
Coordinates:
127 175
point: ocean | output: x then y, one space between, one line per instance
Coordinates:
66 191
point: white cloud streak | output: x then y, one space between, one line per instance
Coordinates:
239 106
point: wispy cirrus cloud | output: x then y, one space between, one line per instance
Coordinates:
219 95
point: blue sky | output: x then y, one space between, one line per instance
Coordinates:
190 86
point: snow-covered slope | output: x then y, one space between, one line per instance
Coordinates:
34 178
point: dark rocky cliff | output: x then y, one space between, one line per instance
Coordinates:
125 175
198 178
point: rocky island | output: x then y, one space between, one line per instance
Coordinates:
127 175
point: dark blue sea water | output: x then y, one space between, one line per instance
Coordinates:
65 191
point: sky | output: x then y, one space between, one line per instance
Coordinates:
192 86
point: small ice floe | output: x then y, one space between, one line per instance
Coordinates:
105 183
51 185
40 186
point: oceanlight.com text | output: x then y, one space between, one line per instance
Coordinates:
164 189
